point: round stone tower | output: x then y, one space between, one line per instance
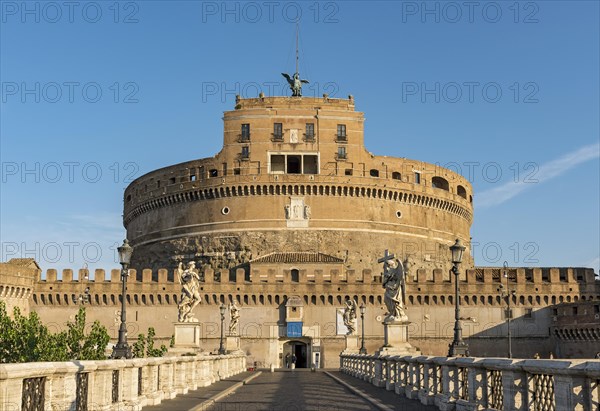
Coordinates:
294 176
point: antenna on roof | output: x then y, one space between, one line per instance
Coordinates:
294 81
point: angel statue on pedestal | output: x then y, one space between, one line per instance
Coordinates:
190 296
350 316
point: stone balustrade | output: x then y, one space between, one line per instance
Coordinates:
110 384
463 384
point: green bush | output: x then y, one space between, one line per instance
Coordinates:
26 339
144 346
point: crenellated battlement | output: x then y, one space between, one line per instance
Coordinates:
320 285
478 275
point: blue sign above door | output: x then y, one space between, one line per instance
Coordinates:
294 329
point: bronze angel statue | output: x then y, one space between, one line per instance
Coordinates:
295 83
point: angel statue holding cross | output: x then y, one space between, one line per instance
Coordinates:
394 282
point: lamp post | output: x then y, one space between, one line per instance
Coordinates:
507 293
122 349
362 350
458 346
222 309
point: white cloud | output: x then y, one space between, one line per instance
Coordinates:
546 172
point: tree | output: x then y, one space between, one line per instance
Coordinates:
144 346
26 339
86 347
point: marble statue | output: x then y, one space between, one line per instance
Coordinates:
350 316
190 296
394 282
234 317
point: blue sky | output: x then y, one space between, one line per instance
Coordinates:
98 93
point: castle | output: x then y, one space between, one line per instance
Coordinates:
289 219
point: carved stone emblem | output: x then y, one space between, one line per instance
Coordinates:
297 213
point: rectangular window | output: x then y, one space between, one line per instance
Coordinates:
562 274
172 180
597 309
341 132
417 177
311 164
277 164
545 274
528 313
574 310
245 152
341 154
278 131
245 132
294 164
348 172
310 131
192 174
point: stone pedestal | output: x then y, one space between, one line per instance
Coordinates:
352 345
232 344
187 336
395 335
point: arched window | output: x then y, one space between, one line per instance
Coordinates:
441 183
396 176
295 276
460 190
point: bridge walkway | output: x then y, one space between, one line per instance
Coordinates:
299 390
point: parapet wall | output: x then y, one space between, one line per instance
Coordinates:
265 286
478 275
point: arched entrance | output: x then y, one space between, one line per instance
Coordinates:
295 349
